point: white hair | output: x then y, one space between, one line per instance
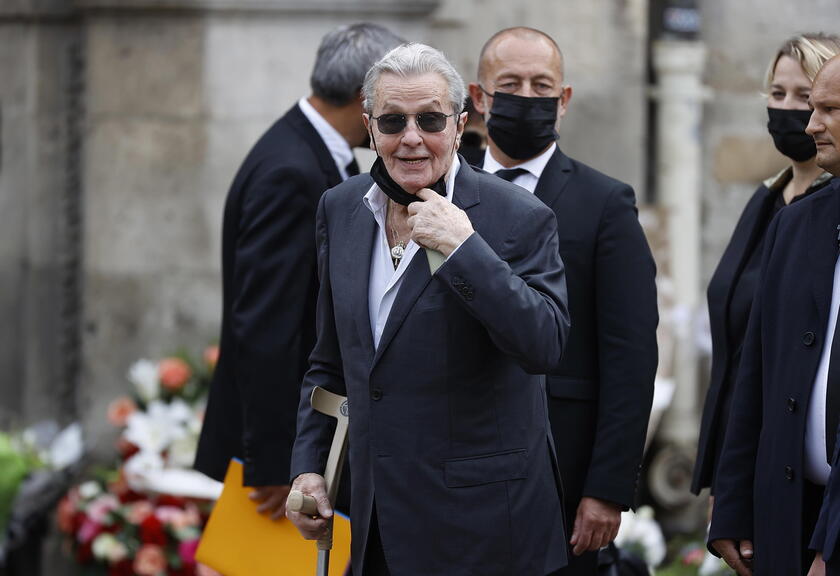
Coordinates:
414 60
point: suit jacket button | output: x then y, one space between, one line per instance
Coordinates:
791 405
789 472
376 394
808 338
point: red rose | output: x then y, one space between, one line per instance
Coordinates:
174 373
84 553
120 409
152 532
121 568
126 448
169 500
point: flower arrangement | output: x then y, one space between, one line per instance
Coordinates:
145 517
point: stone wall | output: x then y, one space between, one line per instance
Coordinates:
39 226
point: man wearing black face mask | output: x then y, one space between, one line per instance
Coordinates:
600 398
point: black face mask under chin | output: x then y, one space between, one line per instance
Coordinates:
522 127
393 190
787 127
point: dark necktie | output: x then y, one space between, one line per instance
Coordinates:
352 169
832 395
510 174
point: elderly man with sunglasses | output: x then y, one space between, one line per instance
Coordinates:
442 299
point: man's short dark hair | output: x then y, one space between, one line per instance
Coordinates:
344 57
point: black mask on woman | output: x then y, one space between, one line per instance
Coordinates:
787 127
522 127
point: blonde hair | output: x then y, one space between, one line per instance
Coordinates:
810 50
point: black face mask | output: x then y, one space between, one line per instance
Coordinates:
522 127
787 127
393 190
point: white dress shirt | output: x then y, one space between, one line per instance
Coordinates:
339 148
534 166
385 281
816 467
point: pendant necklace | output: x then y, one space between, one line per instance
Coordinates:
398 250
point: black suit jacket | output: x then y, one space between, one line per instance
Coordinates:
600 397
759 485
268 315
730 297
448 423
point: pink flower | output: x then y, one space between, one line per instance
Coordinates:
149 561
120 409
170 515
174 373
211 356
99 509
192 516
139 511
88 531
186 550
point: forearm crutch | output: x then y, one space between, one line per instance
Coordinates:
335 406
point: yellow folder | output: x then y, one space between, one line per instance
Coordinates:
238 541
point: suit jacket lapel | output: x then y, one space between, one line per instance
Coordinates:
554 178
307 131
733 261
418 276
822 230
361 234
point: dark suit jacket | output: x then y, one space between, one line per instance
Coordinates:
600 397
759 485
825 538
270 289
448 424
730 297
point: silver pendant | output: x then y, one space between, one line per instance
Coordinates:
398 251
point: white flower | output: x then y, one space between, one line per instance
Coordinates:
182 452
641 529
144 375
107 547
156 428
89 490
179 411
67 448
143 463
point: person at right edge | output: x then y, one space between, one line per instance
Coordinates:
786 404
731 289
600 396
824 126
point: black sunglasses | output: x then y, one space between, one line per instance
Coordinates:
426 121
